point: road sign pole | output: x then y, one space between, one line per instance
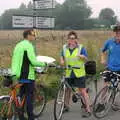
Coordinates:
34 15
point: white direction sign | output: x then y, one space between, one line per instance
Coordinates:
44 22
44 4
22 22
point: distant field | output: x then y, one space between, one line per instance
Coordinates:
50 42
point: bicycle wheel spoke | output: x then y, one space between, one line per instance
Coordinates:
7 111
116 104
59 103
103 102
39 101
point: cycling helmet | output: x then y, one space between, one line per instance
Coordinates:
116 28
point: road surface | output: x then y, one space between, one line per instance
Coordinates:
75 111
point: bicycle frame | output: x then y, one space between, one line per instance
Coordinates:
13 96
13 100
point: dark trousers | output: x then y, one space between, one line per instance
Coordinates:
27 89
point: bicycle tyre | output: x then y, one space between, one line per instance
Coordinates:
39 101
59 100
107 104
116 103
4 114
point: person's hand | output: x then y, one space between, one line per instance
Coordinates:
103 62
81 56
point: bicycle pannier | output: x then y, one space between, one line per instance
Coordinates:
90 67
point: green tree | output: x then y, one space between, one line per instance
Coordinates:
22 6
107 17
30 5
72 14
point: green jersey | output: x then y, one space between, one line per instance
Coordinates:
24 61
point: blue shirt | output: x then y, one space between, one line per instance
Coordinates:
113 51
25 81
82 52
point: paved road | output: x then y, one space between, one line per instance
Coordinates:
75 111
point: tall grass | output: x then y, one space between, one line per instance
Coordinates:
49 43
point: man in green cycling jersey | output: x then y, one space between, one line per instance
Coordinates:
23 67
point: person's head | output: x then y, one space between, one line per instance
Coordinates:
72 38
116 30
29 34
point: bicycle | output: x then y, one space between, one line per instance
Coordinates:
11 104
106 97
60 97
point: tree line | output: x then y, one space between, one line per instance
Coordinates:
72 14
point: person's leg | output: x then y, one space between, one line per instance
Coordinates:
21 112
29 97
67 95
80 83
86 98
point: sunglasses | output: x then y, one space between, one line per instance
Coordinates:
72 38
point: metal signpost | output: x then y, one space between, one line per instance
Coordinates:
40 22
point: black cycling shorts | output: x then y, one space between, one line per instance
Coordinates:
76 82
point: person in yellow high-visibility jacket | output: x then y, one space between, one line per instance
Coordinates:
74 54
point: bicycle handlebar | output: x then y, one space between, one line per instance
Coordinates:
5 72
63 67
107 71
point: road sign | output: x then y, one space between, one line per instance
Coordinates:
22 21
30 22
44 4
45 22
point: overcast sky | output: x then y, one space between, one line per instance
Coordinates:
96 5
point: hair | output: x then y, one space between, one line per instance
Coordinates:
72 33
116 28
27 32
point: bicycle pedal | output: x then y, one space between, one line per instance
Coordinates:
74 98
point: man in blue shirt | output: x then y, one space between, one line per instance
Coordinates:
110 57
111 50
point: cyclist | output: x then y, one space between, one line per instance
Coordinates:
23 63
110 52
110 56
74 54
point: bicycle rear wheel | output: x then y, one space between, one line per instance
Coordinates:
59 102
39 101
103 102
7 111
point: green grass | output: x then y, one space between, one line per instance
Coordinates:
49 43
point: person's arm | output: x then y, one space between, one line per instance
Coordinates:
83 54
62 62
103 58
32 57
104 53
15 62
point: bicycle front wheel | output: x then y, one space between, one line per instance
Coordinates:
39 101
116 103
103 102
59 102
